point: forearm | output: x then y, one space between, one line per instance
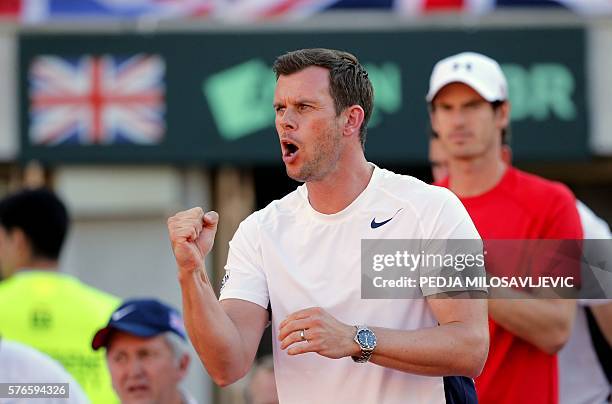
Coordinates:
603 316
213 334
545 323
449 349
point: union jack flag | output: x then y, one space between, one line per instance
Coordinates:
97 100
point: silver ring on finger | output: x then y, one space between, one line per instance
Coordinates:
302 336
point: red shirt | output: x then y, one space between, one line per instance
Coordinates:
521 206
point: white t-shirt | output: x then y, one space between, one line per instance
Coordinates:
22 364
294 257
581 377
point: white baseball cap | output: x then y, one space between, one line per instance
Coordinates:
478 71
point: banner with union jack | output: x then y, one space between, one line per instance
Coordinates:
96 100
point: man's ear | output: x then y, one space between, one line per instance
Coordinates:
354 116
21 241
503 115
432 119
184 365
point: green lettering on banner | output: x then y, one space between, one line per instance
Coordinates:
518 90
240 99
541 92
387 82
554 84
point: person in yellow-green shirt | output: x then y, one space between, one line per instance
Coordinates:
42 307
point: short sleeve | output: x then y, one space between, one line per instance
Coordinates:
244 275
562 256
593 227
563 220
455 248
453 220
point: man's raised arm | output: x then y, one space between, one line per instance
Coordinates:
225 335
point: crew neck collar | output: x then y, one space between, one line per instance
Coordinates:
331 217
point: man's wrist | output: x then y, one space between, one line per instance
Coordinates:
353 348
189 276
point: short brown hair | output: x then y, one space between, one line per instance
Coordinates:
348 80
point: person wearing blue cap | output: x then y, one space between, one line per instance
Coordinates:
146 352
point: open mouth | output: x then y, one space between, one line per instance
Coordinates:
289 149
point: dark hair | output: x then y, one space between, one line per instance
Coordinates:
348 80
506 134
41 216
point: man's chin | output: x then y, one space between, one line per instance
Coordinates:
463 153
137 397
296 176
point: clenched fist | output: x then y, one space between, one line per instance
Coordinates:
192 235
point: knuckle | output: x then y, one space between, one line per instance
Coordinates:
181 214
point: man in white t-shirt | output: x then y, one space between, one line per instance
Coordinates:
582 379
302 255
20 363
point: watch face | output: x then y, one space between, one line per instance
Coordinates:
366 339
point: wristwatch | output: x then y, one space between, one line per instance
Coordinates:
366 339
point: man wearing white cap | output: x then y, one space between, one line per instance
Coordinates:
470 113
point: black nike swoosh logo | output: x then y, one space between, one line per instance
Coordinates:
376 224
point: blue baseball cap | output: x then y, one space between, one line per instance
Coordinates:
142 318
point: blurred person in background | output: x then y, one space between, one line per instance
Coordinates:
146 352
470 114
438 160
301 254
49 310
20 363
261 388
585 367
585 362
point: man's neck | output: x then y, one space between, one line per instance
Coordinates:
472 177
340 188
40 264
